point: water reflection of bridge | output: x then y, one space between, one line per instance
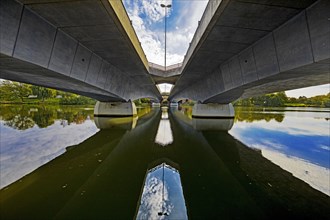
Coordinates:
103 178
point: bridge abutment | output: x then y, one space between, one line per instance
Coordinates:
115 109
213 110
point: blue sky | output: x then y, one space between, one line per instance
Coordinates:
148 21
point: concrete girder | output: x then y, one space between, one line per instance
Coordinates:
294 53
160 74
49 43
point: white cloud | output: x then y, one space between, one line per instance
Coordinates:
148 21
153 200
294 123
18 157
164 135
165 87
315 175
153 10
324 147
309 91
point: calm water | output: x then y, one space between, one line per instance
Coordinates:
62 163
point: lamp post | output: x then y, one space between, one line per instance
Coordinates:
166 7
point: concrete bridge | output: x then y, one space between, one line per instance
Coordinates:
240 49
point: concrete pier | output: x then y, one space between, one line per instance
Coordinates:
115 109
213 110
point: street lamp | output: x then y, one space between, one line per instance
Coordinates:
166 7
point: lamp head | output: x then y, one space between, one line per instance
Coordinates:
165 6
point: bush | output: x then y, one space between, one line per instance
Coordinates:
79 100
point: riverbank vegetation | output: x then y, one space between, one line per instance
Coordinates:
280 99
22 93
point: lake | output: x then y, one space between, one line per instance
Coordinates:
59 162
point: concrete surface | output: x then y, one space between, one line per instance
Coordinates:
86 47
202 124
115 109
252 47
161 75
213 111
127 123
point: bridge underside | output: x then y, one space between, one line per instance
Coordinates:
21 71
248 48
241 48
86 47
169 75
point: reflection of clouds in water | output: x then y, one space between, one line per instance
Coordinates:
164 134
152 200
316 176
300 145
162 180
164 115
324 147
293 125
272 144
313 174
24 151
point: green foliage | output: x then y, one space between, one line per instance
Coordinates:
251 114
78 100
14 90
186 102
280 99
42 92
142 101
316 101
22 117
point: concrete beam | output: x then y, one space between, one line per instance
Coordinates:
160 74
40 46
294 55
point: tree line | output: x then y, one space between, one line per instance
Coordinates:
280 99
16 92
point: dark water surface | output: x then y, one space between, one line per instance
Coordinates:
60 162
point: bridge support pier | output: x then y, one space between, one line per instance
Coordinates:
115 109
213 110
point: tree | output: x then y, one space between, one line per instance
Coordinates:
14 90
42 92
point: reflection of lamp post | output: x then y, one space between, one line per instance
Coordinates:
165 6
163 200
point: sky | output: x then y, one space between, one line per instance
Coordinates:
147 17
309 91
